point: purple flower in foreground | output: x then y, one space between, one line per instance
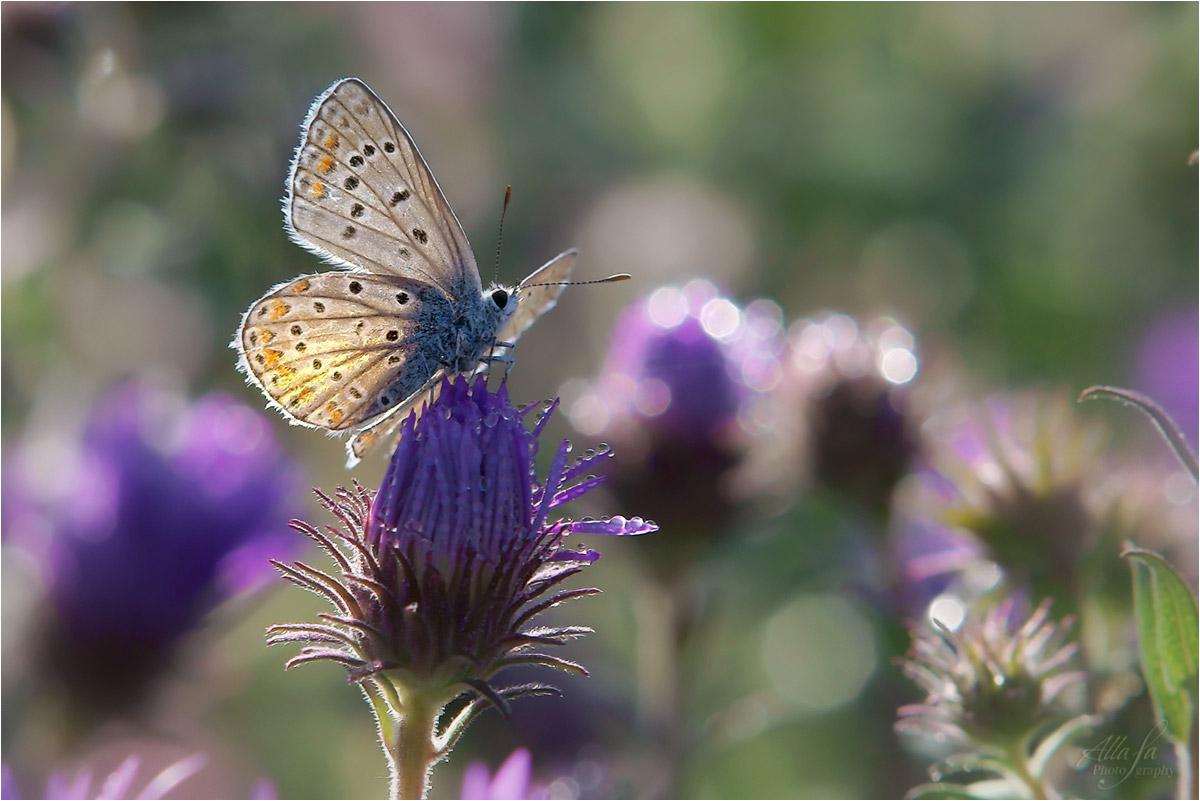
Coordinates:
157 514
442 573
512 779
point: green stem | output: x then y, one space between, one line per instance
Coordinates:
1183 768
413 753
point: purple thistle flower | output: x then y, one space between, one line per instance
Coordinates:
678 396
161 511
441 574
843 418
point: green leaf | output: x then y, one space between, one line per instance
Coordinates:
1167 426
1167 627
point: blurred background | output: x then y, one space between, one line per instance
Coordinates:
1006 187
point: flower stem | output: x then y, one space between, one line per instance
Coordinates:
412 753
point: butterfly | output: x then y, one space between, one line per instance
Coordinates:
353 350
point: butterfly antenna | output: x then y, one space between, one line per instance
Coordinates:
609 280
500 236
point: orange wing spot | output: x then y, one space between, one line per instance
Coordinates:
278 309
284 376
265 336
325 164
335 414
301 286
331 141
306 395
272 356
317 190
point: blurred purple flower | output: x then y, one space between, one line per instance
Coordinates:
842 415
121 781
159 512
1167 367
439 576
512 779
678 397
117 784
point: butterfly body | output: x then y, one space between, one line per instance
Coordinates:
348 350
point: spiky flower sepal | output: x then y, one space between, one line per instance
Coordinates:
1005 693
442 573
359 592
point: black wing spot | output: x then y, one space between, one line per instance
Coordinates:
259 358
262 312
401 298
316 364
389 147
254 334
356 160
355 287
349 232
393 335
295 402
300 346
405 254
357 210
297 330
337 375
351 183
359 327
385 400
393 359
401 196
369 150
319 307
354 393
420 235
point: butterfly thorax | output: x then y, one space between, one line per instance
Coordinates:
477 320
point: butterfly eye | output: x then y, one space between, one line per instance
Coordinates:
500 298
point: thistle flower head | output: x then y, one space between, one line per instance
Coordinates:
441 573
842 415
997 681
141 526
1025 475
685 376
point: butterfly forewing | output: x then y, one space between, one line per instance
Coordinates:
334 350
360 192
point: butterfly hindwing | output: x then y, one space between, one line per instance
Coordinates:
335 350
360 192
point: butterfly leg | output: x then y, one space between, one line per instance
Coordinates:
507 359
